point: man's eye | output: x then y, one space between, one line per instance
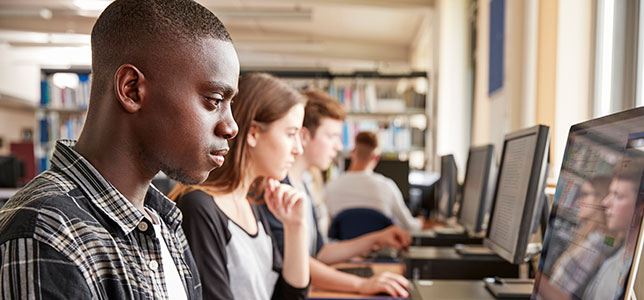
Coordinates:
215 101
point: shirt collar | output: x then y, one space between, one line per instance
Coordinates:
105 196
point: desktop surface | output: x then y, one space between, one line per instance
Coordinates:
397 268
449 290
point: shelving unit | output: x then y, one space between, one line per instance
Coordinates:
61 113
389 104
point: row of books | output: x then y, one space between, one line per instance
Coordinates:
392 136
53 127
61 97
363 97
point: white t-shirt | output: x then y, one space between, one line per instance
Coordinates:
367 189
173 281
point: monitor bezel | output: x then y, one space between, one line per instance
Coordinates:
482 203
534 191
616 117
453 188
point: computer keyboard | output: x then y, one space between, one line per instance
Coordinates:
364 272
384 253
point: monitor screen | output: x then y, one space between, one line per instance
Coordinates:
447 187
476 188
597 211
519 187
398 171
11 169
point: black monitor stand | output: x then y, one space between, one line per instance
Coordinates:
511 288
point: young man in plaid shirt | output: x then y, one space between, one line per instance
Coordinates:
92 226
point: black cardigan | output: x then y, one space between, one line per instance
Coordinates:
206 229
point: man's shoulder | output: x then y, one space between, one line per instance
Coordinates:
48 201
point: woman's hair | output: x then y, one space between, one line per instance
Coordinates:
596 223
262 99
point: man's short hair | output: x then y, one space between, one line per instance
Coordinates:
129 28
320 105
366 145
630 169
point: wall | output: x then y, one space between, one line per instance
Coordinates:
547 72
513 106
453 81
12 122
573 78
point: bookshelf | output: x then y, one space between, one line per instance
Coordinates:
64 98
393 105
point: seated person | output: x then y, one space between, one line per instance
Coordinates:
230 237
620 203
321 142
360 187
582 257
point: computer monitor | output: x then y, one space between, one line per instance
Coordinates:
478 188
11 169
519 190
447 187
597 212
396 170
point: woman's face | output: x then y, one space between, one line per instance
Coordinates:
277 145
589 203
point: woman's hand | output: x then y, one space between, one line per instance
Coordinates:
285 202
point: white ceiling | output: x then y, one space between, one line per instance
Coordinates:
360 34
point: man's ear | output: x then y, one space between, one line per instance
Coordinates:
305 136
129 88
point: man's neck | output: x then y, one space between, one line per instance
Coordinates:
359 167
119 166
296 173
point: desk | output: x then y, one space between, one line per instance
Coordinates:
431 238
398 268
449 289
446 263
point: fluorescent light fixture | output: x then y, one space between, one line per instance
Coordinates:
42 12
92 5
280 14
21 37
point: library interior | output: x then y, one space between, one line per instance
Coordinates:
322 149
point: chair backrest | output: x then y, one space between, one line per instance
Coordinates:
355 222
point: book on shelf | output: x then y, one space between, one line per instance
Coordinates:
393 137
65 97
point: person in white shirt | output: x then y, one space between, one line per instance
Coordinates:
360 187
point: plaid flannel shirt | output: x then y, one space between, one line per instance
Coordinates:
69 234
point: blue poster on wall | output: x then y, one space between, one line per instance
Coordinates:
497 48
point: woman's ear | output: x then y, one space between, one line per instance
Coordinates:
253 134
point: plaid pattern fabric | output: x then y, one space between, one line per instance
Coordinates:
69 234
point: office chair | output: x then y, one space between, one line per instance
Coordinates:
355 222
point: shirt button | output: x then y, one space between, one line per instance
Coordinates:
153 265
143 226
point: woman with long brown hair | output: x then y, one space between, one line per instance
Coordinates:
229 237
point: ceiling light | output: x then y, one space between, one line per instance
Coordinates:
92 5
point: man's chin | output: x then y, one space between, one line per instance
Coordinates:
187 179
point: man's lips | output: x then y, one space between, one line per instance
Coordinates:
217 156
